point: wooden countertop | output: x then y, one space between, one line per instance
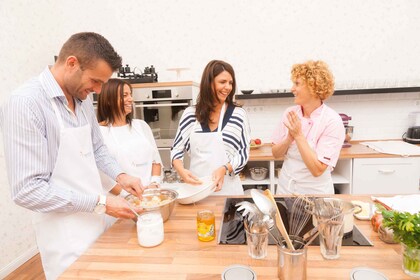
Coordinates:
355 151
117 255
166 84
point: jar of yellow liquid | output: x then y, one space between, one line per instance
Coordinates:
205 225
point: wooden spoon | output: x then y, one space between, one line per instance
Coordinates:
279 220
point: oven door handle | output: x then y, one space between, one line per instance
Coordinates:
161 105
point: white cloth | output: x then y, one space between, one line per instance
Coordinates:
400 148
295 176
208 154
63 237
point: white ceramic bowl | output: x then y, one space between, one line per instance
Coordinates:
188 193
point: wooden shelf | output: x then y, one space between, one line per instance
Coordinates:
249 181
337 92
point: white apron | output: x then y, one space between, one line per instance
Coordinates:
134 155
208 153
63 237
295 177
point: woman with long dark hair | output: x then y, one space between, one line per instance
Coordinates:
215 133
129 140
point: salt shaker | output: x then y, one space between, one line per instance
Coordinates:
150 231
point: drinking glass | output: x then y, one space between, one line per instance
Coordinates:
257 242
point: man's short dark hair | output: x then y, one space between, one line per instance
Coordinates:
88 48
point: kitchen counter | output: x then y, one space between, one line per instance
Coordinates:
355 151
117 255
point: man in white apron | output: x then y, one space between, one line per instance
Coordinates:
53 148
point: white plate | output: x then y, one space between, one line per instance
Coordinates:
365 214
188 193
365 273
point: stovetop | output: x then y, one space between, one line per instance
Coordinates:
232 227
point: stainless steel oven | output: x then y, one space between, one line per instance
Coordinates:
162 108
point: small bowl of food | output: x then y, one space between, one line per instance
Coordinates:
258 173
162 200
247 91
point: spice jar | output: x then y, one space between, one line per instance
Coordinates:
150 230
205 225
376 220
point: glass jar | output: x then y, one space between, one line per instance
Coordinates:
150 230
411 260
206 225
376 220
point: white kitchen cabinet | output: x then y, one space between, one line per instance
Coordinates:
341 175
386 175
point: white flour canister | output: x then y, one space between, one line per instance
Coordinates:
150 230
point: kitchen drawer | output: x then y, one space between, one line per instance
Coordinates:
386 175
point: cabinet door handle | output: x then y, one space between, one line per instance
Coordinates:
386 171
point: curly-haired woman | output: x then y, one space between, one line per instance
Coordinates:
310 134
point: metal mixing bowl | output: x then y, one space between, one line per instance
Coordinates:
258 173
151 198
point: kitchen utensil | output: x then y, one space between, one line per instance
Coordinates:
250 211
269 210
132 209
300 214
159 199
268 199
258 173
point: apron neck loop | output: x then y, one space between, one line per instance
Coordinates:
60 118
222 114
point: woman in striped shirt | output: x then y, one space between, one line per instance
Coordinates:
215 133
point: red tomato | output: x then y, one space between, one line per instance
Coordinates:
258 141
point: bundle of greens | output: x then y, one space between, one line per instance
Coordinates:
406 227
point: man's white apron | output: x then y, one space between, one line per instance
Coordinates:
63 237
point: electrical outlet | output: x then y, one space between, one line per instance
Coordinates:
417 102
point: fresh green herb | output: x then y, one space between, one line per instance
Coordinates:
406 227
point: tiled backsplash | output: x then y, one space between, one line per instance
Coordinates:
374 116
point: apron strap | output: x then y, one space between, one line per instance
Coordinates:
219 127
222 114
57 114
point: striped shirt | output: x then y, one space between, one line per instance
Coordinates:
31 136
235 132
